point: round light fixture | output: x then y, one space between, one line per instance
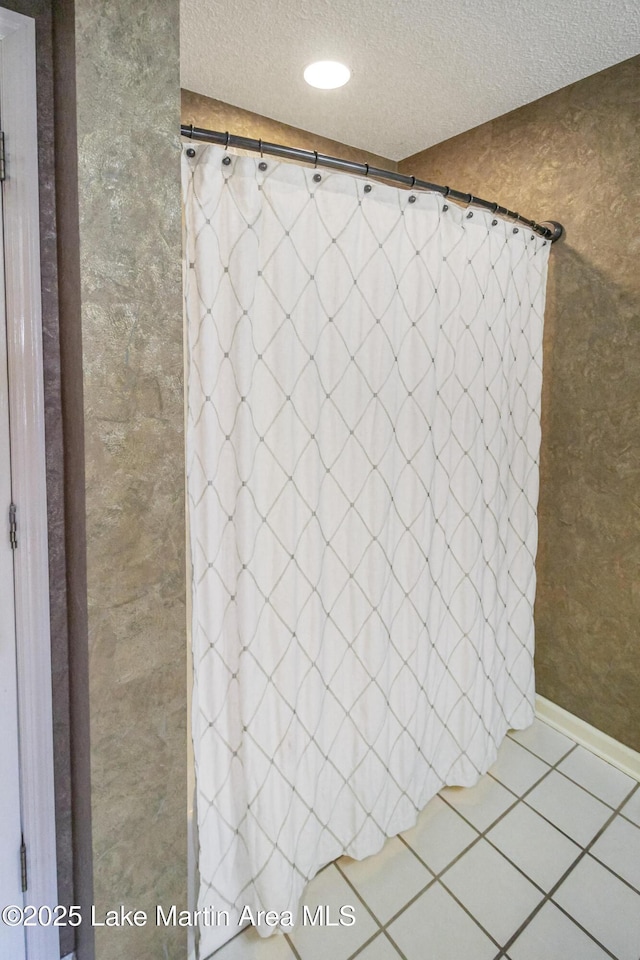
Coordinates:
327 74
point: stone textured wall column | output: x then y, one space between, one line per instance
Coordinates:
128 100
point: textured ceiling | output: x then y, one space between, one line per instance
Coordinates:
422 71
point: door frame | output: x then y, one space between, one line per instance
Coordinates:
18 117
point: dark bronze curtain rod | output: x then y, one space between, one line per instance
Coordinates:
550 229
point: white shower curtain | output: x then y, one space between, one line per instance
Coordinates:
364 375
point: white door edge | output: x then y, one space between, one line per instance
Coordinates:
26 403
12 938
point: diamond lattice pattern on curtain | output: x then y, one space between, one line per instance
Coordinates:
364 376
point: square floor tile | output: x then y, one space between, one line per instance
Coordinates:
517 768
631 808
540 850
552 936
597 776
619 849
492 890
544 741
379 949
331 890
435 926
439 835
480 805
569 807
249 945
605 906
387 880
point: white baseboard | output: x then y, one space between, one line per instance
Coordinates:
614 752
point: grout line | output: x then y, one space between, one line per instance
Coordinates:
394 944
537 755
555 826
363 946
359 895
434 875
376 936
618 876
291 947
381 931
493 822
558 828
606 865
409 903
548 897
626 817
466 910
517 799
578 856
564 757
584 930
595 795
484 835
555 767
384 927
433 879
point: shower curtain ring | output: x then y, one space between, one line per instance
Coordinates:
315 162
260 146
226 142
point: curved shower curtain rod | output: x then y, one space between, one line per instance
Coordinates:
549 229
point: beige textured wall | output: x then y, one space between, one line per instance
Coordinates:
127 66
574 156
211 114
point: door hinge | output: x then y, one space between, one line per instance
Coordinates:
3 176
13 526
23 865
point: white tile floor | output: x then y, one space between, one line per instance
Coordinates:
539 861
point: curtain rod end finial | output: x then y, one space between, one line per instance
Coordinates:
556 229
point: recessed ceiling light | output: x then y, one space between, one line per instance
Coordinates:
327 74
